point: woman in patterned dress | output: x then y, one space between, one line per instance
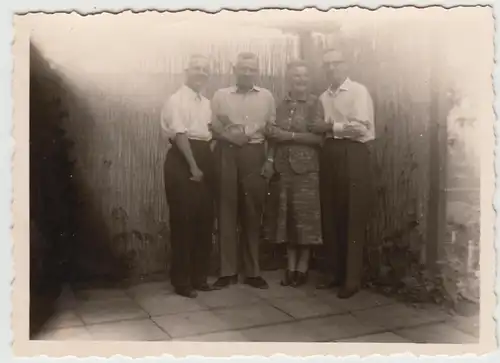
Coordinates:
296 164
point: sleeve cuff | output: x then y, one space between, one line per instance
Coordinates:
337 128
249 130
178 130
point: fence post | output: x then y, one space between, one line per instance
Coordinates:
436 215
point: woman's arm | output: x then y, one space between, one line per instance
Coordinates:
277 134
307 138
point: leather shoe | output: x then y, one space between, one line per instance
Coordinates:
346 293
204 287
301 279
186 292
225 281
257 282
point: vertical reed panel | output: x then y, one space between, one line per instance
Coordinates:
115 122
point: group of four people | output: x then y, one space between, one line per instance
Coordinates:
225 151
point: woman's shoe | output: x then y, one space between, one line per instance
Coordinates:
301 279
288 279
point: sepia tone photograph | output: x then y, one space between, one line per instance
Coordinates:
270 176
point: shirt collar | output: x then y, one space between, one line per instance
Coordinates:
343 87
188 90
254 88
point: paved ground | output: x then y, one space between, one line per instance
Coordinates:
152 312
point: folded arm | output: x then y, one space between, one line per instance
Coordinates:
279 135
362 119
220 124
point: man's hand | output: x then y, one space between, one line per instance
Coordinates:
237 138
268 169
235 134
197 174
320 127
354 129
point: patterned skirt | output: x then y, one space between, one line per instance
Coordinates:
293 212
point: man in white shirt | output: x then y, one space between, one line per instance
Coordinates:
344 173
240 116
188 175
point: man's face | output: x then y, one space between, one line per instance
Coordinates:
299 79
246 71
335 67
197 72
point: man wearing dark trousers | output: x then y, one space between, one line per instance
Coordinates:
344 174
188 172
240 116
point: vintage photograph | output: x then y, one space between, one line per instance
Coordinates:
268 176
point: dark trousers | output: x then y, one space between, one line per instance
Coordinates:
191 215
345 202
240 203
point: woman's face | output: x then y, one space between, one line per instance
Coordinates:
299 79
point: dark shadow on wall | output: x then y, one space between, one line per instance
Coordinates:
64 228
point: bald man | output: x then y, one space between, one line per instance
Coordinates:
188 174
240 116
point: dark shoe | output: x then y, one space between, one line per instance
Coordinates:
225 281
330 284
186 292
257 282
300 280
346 293
204 287
288 279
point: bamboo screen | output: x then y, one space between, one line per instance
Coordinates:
115 122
